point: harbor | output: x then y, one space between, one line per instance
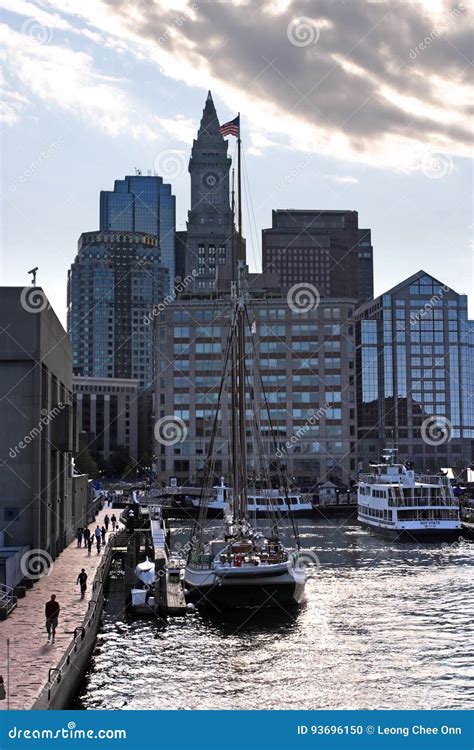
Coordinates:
343 563
385 626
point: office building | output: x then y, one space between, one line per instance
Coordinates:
307 361
107 414
36 508
143 203
323 248
209 225
415 374
113 284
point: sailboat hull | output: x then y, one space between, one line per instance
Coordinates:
238 588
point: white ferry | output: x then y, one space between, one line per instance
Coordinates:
395 502
261 502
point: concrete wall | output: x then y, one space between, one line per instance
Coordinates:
36 440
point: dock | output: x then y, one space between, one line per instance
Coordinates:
151 539
28 662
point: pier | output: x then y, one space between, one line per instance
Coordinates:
31 666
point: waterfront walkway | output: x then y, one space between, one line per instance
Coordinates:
31 656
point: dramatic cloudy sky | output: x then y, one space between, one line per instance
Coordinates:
346 104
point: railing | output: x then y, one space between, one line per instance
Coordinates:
56 674
7 598
402 480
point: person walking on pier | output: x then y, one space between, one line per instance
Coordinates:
87 536
89 545
82 580
106 522
98 536
103 531
114 521
51 611
79 534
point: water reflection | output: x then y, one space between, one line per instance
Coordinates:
385 625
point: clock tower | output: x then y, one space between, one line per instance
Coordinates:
209 225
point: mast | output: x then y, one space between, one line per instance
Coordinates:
242 488
234 399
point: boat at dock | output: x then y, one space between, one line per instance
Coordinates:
397 503
247 565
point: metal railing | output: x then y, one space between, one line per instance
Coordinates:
7 598
81 631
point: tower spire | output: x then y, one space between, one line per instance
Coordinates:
209 127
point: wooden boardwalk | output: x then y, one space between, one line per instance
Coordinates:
31 656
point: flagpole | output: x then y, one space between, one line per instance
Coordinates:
239 189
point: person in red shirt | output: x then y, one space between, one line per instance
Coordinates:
51 611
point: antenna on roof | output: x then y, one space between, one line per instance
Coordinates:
33 275
138 171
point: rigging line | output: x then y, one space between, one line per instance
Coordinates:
274 515
281 474
210 459
257 254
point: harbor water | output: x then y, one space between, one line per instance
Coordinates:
386 625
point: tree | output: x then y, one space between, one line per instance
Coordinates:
85 464
120 460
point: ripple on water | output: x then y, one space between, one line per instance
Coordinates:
385 625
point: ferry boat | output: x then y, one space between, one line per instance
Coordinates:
260 503
396 503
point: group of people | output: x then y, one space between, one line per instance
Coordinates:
84 534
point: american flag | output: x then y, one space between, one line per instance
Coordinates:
231 128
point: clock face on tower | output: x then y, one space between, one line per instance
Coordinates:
210 180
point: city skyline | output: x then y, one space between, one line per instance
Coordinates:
145 116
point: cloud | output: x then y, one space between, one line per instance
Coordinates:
353 85
343 179
376 82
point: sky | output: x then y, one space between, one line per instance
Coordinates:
362 105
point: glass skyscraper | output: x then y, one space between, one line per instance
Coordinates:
415 374
143 203
115 281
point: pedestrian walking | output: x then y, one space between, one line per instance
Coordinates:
79 534
103 531
114 521
89 545
82 581
51 612
106 522
87 536
98 537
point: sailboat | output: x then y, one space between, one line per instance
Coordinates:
244 567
